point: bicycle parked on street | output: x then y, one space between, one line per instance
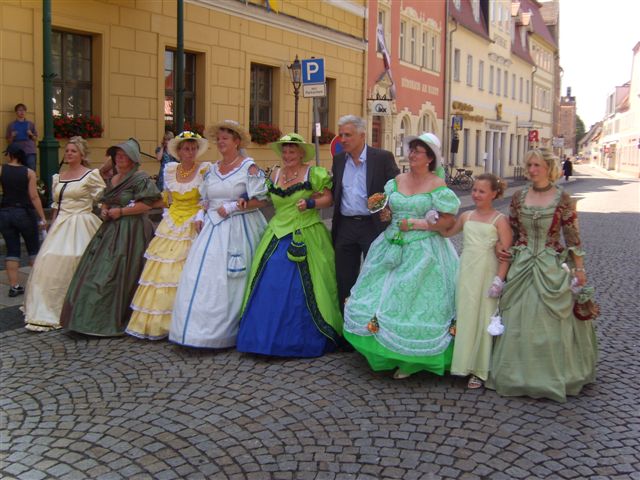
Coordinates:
462 179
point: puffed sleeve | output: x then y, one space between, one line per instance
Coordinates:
145 189
203 186
570 228
256 183
55 180
445 201
320 179
390 187
95 185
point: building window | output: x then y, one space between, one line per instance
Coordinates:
527 97
261 96
481 75
403 27
512 153
71 55
491 79
498 81
478 149
434 53
425 49
513 86
506 84
521 89
325 106
465 147
413 45
469 70
170 59
424 125
456 65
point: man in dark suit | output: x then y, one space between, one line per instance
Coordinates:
359 171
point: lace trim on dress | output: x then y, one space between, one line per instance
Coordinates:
164 260
173 185
173 237
147 283
306 185
151 312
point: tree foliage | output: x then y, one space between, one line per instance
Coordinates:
580 131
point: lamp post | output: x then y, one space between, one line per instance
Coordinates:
295 72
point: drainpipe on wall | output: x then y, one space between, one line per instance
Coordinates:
447 104
178 111
48 146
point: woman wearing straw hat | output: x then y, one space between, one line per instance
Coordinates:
209 297
401 308
98 299
152 304
75 191
291 307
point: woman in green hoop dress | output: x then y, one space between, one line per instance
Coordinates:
291 305
401 309
545 351
98 299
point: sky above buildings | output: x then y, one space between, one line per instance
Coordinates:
596 41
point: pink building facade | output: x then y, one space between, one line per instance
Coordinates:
406 71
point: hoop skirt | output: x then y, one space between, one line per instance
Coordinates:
60 253
402 306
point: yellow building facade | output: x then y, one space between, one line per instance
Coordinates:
492 78
116 59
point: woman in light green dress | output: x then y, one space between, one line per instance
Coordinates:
545 351
291 305
401 308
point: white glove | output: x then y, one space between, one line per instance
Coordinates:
199 216
496 287
495 327
230 207
575 287
432 217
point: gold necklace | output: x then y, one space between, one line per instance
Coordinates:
289 179
182 174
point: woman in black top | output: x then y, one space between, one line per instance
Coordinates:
17 215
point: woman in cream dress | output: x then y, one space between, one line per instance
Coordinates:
153 302
74 192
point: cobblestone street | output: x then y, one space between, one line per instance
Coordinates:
79 407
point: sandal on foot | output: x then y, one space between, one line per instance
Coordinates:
474 382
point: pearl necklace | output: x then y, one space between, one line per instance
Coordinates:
228 165
182 174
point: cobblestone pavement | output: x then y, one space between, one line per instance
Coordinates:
76 407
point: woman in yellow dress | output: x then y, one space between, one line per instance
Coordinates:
75 191
152 304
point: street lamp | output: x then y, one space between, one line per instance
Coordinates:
295 72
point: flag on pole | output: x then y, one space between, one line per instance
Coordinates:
273 5
386 59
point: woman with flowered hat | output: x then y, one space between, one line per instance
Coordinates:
98 299
401 309
206 310
291 306
152 304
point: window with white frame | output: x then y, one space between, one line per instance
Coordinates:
413 45
513 86
506 83
491 79
521 89
456 64
498 81
481 75
401 50
469 70
527 97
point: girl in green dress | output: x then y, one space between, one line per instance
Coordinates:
545 351
480 280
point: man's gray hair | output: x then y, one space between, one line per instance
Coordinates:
358 122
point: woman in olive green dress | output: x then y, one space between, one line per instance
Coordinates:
545 351
98 299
